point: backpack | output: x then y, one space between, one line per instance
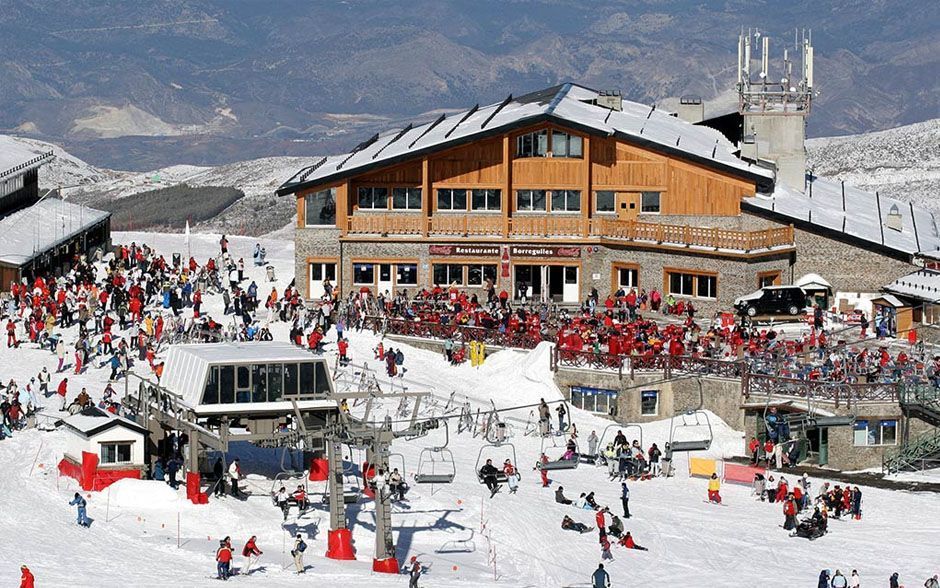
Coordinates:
302 547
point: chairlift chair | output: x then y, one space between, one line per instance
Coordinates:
696 444
442 470
481 460
560 464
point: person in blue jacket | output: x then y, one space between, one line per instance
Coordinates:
81 504
600 578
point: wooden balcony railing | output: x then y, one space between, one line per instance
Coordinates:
546 226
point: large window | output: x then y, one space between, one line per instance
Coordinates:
211 393
532 144
565 145
259 386
530 200
406 274
406 198
765 279
363 273
566 200
451 199
692 285
600 400
477 275
320 208
227 384
448 273
116 452
627 277
485 200
649 402
649 202
373 198
604 200
874 432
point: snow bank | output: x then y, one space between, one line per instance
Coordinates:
142 494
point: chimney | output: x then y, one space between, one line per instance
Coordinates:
691 109
611 99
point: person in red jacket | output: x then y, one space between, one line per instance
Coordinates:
628 542
754 447
11 334
789 512
601 523
63 390
343 346
223 557
27 580
252 554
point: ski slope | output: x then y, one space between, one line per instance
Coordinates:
145 534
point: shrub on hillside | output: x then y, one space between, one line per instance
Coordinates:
169 208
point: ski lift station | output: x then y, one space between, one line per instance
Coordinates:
246 380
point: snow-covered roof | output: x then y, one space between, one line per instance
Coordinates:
890 299
31 231
93 420
922 285
813 282
186 367
15 158
568 104
840 208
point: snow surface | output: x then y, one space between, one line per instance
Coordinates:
142 536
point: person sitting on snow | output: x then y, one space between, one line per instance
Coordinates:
560 496
628 542
569 525
616 526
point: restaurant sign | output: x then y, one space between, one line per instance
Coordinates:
537 251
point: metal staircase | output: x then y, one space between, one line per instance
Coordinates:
922 402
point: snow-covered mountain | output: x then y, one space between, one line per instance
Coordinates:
258 212
903 162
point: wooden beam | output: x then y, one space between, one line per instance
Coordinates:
342 207
586 196
425 195
301 210
506 188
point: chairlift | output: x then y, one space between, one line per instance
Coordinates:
609 434
436 464
560 464
696 444
352 493
289 481
481 460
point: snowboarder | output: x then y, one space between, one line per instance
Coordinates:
628 542
600 578
714 485
568 524
28 581
488 472
298 553
78 501
252 554
414 573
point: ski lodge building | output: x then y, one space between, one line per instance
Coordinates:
41 235
568 189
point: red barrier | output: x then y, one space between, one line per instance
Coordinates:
193 489
89 469
386 566
741 474
104 478
69 468
319 470
339 544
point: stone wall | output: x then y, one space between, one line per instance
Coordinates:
319 242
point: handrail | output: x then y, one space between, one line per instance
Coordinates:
407 223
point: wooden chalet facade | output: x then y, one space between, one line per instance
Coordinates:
544 194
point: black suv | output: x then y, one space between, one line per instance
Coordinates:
772 300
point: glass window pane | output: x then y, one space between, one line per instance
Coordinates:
860 430
307 379
589 401
440 274
605 201
363 273
574 146
889 432
649 202
242 383
460 199
538 200
400 198
576 399
323 379
211 393
320 208
489 273
559 144
474 275
275 383
290 378
259 383
227 384
541 149
558 201
406 274
380 197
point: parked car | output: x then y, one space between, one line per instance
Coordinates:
789 300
